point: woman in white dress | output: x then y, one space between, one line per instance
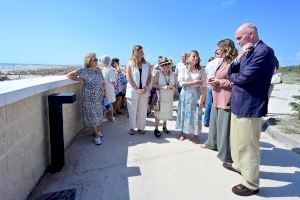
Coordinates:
138 74
164 80
110 79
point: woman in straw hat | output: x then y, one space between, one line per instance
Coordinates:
164 81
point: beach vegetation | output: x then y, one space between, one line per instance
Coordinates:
296 105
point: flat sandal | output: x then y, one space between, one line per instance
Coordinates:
165 130
141 132
182 137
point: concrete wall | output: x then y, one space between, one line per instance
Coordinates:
24 134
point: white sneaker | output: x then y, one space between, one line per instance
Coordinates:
100 134
113 119
104 120
97 141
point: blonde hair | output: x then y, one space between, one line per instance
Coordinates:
229 52
134 56
88 58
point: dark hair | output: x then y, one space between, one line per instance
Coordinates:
198 64
275 62
117 60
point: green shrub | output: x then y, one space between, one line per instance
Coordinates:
296 105
290 69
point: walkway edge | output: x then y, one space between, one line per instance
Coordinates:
279 136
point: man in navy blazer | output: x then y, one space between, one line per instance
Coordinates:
250 74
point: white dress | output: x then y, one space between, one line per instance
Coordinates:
165 97
109 77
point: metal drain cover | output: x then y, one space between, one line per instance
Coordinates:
68 194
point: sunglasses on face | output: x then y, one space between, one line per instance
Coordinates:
95 60
137 47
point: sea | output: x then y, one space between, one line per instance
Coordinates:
33 65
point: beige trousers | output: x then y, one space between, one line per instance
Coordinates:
137 110
244 143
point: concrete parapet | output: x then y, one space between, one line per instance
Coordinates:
24 132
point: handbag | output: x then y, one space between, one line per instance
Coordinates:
276 78
156 106
105 104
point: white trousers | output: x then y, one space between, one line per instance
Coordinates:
137 109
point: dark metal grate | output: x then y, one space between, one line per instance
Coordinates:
68 194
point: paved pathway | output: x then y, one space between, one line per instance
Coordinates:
280 98
146 168
279 107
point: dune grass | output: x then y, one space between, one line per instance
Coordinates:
289 124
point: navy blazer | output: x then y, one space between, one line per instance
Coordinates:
251 79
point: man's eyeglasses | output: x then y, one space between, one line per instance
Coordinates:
95 60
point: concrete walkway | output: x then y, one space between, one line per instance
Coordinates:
279 107
142 167
280 98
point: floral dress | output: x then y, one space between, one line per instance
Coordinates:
189 115
91 95
121 81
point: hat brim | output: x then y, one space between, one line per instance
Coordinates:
163 63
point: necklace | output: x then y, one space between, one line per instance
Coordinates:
167 80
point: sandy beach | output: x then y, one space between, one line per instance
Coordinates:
22 72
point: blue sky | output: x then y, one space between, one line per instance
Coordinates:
62 31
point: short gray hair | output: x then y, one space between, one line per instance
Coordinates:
105 60
249 27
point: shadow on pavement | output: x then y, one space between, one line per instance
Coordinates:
99 171
273 156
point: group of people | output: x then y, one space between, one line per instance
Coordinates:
233 88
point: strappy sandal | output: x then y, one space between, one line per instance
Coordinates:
195 140
165 130
206 146
157 133
182 137
141 132
131 132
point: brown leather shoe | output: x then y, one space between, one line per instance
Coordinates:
242 190
229 167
